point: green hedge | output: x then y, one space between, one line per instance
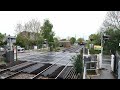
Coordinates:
92 51
78 63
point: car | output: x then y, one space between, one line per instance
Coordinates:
2 49
20 49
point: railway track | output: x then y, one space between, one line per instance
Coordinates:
72 74
27 69
39 74
7 74
41 70
73 49
15 70
52 72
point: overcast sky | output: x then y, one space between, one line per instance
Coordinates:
65 23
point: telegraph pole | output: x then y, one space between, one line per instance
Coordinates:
102 45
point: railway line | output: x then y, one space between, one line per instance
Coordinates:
42 70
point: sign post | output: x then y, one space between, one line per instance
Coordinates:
119 44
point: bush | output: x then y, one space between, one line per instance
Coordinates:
56 49
92 51
106 52
78 63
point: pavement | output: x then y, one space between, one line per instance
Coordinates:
105 72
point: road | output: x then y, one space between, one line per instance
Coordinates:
46 57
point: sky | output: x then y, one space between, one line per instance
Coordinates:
65 23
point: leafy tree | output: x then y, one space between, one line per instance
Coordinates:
1 39
47 33
78 63
113 43
80 40
31 33
40 41
95 39
21 41
112 20
72 40
111 26
56 42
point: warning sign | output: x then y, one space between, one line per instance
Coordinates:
97 47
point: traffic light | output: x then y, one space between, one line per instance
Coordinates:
106 37
91 39
4 55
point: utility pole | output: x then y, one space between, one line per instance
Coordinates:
101 46
16 52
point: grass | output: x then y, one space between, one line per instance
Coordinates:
91 72
2 62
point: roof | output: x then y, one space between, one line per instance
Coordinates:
64 41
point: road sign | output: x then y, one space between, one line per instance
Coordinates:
97 47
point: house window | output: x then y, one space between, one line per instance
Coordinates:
92 65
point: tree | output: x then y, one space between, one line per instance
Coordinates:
30 31
19 28
113 43
2 36
95 39
80 40
78 64
56 43
112 20
21 41
112 27
47 33
72 40
40 41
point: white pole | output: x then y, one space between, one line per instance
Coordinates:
84 73
100 58
112 62
101 47
119 70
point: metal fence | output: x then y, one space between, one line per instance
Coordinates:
116 65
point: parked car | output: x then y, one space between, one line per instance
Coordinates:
20 49
2 49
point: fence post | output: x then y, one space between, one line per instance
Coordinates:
88 52
16 52
84 73
119 70
100 60
112 62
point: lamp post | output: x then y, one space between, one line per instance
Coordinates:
101 46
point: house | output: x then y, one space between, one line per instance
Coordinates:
65 43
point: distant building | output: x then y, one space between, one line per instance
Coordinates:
65 43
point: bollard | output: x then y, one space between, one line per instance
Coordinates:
119 70
112 62
100 60
84 73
